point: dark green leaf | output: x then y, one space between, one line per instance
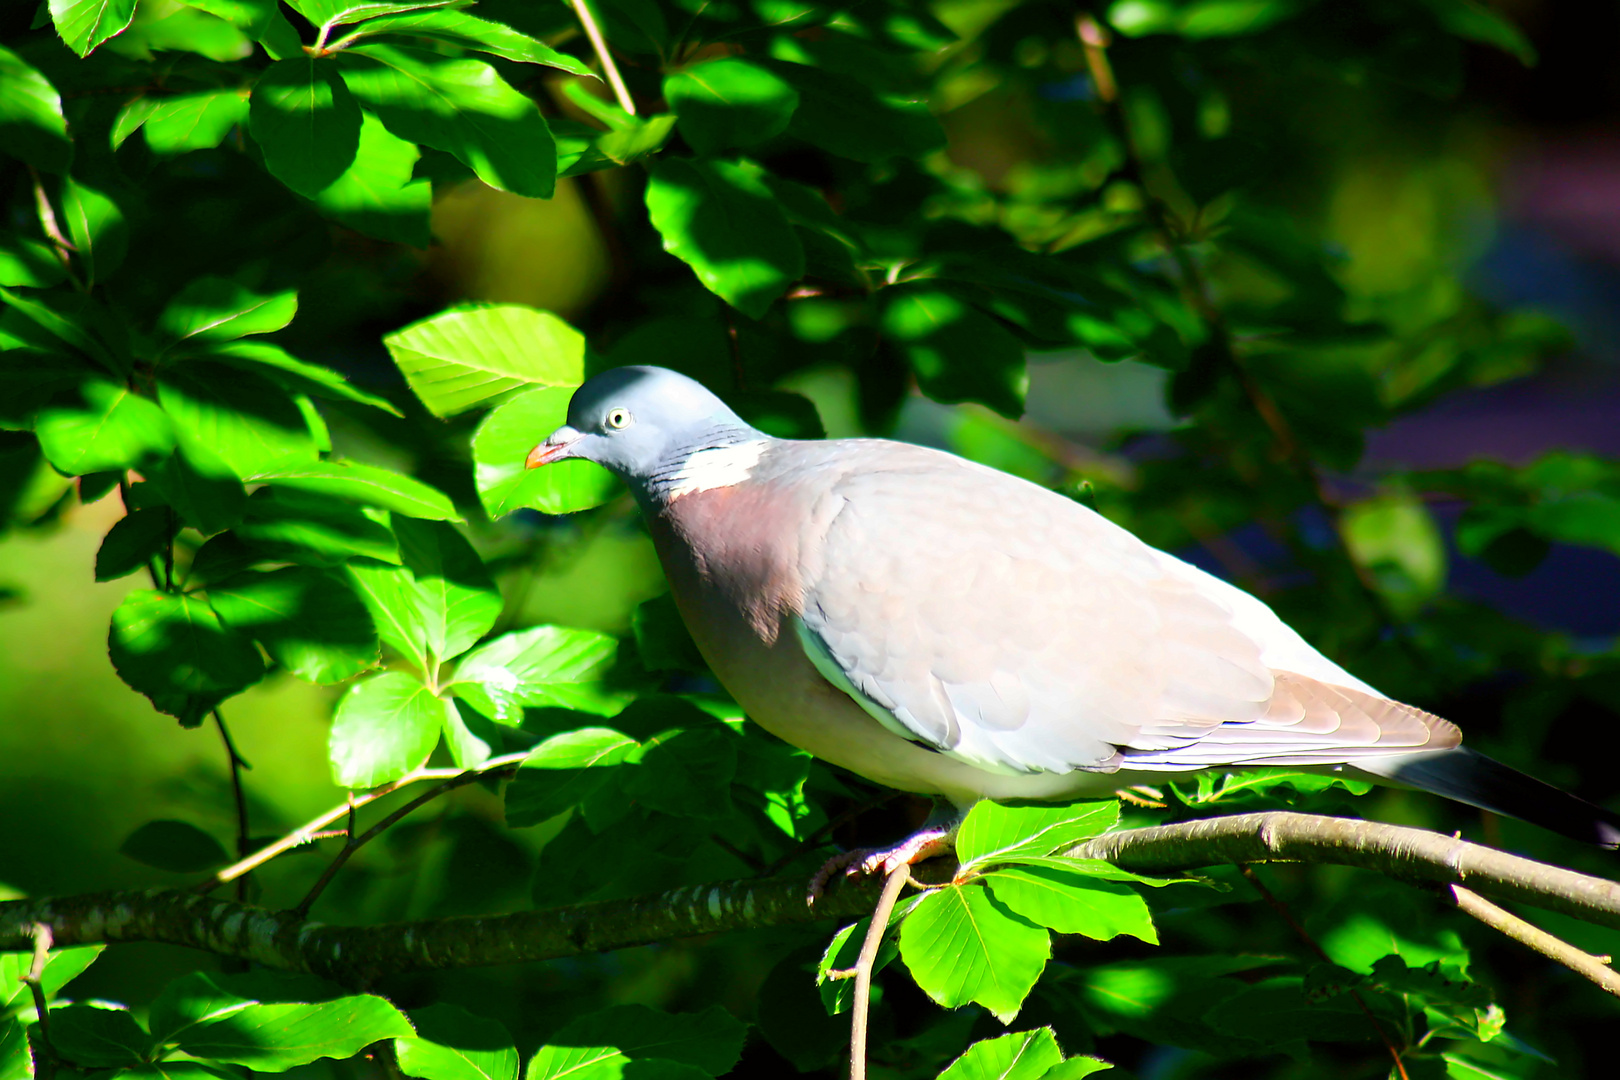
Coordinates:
460 28
306 122
466 356
462 107
102 427
721 220
84 24
562 771
174 845
28 263
241 417
957 352
16 1062
309 622
687 773
376 195
364 484
294 374
219 309
453 1044
963 946
133 541
839 114
729 102
541 666
172 647
710 1041
98 1036
502 443
662 638
32 127
201 488
384 727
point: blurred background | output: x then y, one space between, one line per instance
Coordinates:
1475 185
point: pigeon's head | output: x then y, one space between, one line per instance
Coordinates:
640 422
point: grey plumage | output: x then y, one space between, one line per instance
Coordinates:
944 628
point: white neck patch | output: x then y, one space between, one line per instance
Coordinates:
715 467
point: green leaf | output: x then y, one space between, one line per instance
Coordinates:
201 488
540 666
994 833
98 1036
62 966
1077 1067
687 773
1073 903
839 114
710 1041
32 127
174 845
84 24
466 356
957 352
173 649
16 1061
306 121
212 1018
1475 21
253 17
502 443
102 427
720 219
294 374
133 541
662 640
962 946
341 12
1023 1055
563 771
97 228
376 195
219 309
453 1044
364 484
309 622
729 102
841 954
456 602
241 417
384 727
460 28
28 263
191 121
460 106
63 320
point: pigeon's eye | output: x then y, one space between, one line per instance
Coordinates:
618 418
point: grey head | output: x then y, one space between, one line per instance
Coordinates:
643 423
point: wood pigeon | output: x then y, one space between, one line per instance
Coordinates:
943 628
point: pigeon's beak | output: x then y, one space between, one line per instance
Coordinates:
555 448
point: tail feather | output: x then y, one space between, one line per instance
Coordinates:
1468 777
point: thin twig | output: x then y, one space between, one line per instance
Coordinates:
42 950
243 838
1281 909
307 832
357 842
736 852
599 43
1582 963
861 1002
47 221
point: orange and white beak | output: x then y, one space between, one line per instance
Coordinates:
555 448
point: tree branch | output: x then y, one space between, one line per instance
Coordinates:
609 68
1412 855
359 955
1582 963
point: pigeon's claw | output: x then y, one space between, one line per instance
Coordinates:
924 844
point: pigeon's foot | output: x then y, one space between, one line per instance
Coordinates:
924 844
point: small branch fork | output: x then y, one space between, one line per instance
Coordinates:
860 1005
317 828
42 941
